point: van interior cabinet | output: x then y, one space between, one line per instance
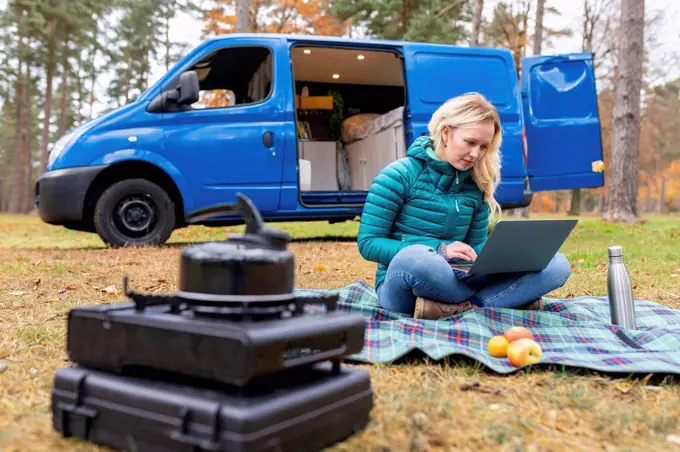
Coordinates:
367 157
323 162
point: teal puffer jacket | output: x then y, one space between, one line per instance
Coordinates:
420 200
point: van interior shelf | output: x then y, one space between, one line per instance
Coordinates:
314 112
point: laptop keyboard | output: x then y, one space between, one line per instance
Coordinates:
461 266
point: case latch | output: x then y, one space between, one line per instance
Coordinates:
200 445
76 419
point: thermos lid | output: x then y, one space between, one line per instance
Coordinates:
615 251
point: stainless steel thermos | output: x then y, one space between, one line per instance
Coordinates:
620 290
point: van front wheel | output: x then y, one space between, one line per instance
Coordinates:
134 212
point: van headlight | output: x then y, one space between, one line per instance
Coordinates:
59 147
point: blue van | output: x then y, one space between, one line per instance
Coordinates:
301 125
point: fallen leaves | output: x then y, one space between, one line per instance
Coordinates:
674 439
623 387
477 387
456 398
109 289
421 421
159 285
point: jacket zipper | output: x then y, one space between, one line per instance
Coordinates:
456 200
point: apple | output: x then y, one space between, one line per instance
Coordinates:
517 332
524 352
498 347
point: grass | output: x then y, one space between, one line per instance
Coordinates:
45 271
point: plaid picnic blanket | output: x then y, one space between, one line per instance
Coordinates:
575 332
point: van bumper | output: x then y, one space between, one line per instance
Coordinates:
526 200
60 194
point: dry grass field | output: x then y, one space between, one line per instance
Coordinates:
45 271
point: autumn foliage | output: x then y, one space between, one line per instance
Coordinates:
276 16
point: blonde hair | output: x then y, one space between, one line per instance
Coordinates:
473 108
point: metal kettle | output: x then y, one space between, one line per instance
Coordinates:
250 267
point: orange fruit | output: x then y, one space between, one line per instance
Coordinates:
517 332
498 347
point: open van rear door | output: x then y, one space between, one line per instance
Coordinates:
562 122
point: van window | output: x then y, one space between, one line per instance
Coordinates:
234 76
553 88
441 76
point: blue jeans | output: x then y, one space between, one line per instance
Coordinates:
418 271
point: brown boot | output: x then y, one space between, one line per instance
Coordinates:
433 310
535 305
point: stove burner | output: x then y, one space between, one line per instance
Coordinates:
231 308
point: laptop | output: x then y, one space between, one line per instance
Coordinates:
518 246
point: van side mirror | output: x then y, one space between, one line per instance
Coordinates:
188 88
185 93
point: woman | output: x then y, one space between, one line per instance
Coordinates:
434 206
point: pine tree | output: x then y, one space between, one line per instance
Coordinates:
412 20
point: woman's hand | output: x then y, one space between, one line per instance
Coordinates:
460 250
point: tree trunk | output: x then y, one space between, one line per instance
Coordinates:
575 208
586 46
476 22
16 186
2 180
126 84
648 207
538 35
406 14
662 196
79 90
5 161
167 42
93 76
622 195
145 74
63 108
27 195
538 45
242 7
47 111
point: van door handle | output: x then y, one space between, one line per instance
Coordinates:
268 139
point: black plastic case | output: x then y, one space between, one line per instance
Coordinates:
308 409
115 337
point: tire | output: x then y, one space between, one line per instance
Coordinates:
134 212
